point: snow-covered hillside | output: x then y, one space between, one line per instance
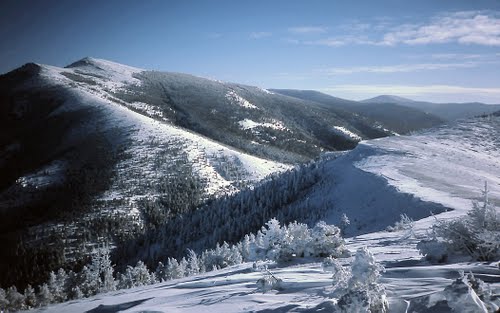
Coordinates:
442 169
154 145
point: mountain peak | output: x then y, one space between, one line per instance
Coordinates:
103 65
104 68
387 99
86 61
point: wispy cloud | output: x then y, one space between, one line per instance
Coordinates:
457 56
466 27
213 35
259 35
399 68
340 41
469 27
308 30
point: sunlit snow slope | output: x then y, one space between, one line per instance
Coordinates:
156 144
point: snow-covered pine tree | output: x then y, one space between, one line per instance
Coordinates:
30 297
344 223
44 296
161 272
326 241
193 266
173 269
15 298
363 292
106 271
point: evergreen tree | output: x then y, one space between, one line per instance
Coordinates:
193 267
77 293
173 270
30 297
161 272
16 299
106 271
44 296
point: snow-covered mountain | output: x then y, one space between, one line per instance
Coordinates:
432 176
446 111
99 151
153 163
74 154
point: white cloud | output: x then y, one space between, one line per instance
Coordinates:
471 27
457 56
308 30
399 68
340 41
213 35
259 35
467 27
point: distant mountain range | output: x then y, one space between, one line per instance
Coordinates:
396 117
100 152
446 111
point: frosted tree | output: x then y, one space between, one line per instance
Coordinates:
477 234
44 296
89 281
193 267
344 223
30 297
161 272
299 237
363 292
183 265
57 285
270 240
234 256
326 241
135 276
247 248
77 293
106 271
16 299
173 269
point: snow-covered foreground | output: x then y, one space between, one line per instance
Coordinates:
444 167
305 288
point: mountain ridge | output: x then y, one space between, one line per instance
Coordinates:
447 111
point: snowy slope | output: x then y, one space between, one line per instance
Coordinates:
442 168
151 139
305 288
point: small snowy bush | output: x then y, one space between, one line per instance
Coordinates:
476 235
362 292
405 223
434 250
283 243
326 240
269 282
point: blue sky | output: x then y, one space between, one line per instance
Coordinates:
446 50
